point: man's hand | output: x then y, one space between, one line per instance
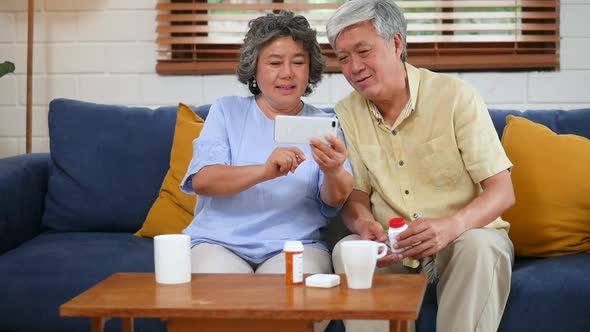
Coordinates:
389 259
428 236
431 235
373 231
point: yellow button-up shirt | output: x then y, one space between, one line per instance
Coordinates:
431 161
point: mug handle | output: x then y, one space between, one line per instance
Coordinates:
383 252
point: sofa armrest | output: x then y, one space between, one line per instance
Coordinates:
23 185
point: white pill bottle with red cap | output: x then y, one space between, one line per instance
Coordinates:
396 226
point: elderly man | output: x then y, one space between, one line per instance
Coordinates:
423 147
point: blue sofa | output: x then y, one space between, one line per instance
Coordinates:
67 221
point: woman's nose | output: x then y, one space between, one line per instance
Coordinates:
287 71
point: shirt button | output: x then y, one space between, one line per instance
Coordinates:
394 132
401 163
415 215
407 192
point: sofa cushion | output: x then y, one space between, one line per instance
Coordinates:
576 122
546 295
49 270
549 294
551 216
173 210
109 162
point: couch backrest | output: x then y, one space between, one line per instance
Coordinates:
576 122
109 161
108 164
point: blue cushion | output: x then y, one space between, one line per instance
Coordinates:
576 122
547 294
555 289
109 163
52 268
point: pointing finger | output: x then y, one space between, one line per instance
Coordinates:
298 152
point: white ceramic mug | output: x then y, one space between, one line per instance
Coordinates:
360 258
172 258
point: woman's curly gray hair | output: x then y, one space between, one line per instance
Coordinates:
265 29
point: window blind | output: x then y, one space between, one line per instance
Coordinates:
204 37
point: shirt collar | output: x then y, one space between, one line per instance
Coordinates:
414 83
375 111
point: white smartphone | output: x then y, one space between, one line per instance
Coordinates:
301 129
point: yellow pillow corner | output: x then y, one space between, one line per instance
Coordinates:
172 210
551 216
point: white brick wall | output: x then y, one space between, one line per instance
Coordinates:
104 51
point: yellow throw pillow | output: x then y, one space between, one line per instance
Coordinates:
551 177
173 210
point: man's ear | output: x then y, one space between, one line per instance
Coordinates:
398 43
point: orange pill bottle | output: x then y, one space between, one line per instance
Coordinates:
293 262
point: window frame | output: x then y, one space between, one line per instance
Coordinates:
184 29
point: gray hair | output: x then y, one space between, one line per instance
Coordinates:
387 18
264 30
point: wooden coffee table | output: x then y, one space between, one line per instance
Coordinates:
245 302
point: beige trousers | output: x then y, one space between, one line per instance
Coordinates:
213 258
475 272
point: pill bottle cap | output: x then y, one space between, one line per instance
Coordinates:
397 222
293 246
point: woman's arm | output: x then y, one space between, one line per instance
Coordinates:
224 180
336 187
337 184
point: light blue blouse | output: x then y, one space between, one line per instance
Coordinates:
256 222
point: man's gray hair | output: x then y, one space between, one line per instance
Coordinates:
387 18
264 30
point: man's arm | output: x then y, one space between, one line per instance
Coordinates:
358 218
434 234
336 187
497 197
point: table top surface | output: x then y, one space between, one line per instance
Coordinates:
393 296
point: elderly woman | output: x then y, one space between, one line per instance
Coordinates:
255 194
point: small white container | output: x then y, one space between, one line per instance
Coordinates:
396 226
322 280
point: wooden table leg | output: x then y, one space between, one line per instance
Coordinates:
97 323
243 325
127 324
398 326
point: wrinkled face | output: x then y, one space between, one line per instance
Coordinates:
372 66
283 73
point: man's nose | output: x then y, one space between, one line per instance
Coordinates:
356 64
